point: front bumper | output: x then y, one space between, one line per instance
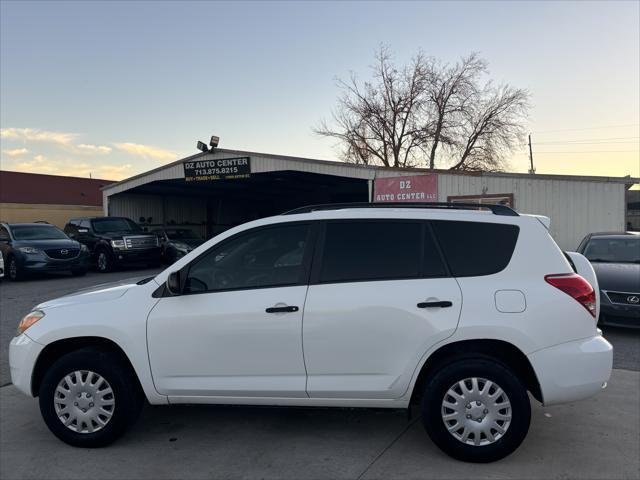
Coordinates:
618 314
42 263
574 370
133 255
23 353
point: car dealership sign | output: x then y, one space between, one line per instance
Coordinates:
218 169
416 188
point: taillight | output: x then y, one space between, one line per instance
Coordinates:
577 287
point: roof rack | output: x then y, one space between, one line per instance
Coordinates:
495 209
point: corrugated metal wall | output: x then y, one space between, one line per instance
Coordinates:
178 210
575 207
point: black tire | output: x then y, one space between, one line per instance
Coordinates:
81 272
13 270
432 407
104 260
127 397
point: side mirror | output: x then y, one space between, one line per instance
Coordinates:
173 283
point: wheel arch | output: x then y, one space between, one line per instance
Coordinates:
498 350
55 350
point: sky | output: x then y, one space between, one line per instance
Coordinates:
112 89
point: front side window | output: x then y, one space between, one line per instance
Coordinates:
373 250
268 257
37 232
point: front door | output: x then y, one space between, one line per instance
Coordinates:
380 297
237 328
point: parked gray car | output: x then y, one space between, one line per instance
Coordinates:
616 260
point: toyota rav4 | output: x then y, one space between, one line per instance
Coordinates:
460 311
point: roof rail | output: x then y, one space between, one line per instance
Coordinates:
495 209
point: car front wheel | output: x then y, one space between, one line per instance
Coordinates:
104 261
88 398
13 270
476 410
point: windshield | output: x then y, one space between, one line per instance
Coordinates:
38 232
613 250
112 225
182 234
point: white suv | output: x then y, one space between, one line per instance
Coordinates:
457 310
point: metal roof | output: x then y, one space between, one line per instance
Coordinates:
264 162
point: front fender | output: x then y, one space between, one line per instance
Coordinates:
121 320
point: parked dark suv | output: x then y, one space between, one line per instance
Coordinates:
115 241
40 247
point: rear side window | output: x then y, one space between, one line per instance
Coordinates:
373 250
473 249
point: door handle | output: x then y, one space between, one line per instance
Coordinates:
292 308
442 304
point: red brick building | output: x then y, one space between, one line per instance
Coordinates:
29 197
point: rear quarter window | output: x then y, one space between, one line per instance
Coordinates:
476 248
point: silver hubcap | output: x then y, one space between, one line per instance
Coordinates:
84 401
476 411
102 261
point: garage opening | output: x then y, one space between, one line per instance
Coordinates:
209 208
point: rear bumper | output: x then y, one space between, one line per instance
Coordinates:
574 370
23 353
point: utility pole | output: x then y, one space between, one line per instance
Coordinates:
532 170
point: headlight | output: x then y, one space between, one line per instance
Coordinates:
29 250
117 244
28 320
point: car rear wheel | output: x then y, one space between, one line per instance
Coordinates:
104 261
89 399
476 410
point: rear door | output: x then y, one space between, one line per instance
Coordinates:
380 297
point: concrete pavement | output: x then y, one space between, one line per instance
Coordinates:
594 439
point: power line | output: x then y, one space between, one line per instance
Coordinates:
593 151
588 143
588 128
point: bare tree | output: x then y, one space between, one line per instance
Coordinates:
492 126
428 113
450 90
380 121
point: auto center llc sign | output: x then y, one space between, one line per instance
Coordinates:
414 188
217 169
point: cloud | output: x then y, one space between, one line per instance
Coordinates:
146 151
15 152
84 147
35 135
42 164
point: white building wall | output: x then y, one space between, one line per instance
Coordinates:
575 207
